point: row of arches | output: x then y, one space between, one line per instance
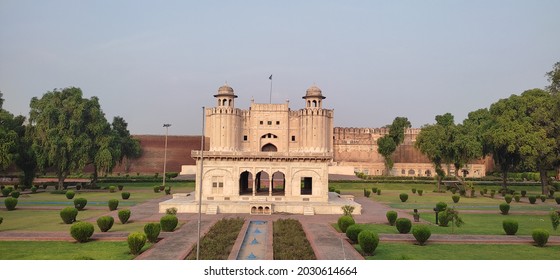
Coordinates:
263 183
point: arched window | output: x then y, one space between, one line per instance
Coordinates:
230 102
308 103
224 102
314 103
269 148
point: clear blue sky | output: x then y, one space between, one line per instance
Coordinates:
155 62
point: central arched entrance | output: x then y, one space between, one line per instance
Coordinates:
278 183
262 183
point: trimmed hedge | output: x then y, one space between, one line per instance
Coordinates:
344 222
70 194
112 189
540 236
136 242
557 199
391 217
504 208
403 225
353 231
81 231
532 199
543 197
105 223
422 233
152 231
69 215
523 193
420 192
368 241
15 194
508 198
124 215
456 198
403 197
33 189
113 204
510 226
80 203
10 203
169 222
517 198
125 195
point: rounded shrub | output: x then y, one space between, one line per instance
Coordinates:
557 199
532 199
517 198
112 189
413 190
504 208
10 203
508 198
543 197
33 189
69 215
124 215
15 194
374 190
169 222
121 187
81 231
368 241
453 190
105 223
343 223
125 195
421 233
6 191
353 231
391 217
403 197
420 192
523 193
403 225
440 206
540 236
1 220
378 191
167 190
80 203
70 194
152 231
156 189
456 198
136 242
113 204
510 226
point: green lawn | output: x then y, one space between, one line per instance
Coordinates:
60 250
403 251
140 192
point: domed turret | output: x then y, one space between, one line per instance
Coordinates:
313 97
225 96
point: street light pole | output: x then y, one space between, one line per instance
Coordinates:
166 125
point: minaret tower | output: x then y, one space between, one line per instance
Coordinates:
224 129
316 122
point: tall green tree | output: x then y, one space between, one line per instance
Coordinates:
8 137
127 147
388 144
433 141
554 78
60 139
102 152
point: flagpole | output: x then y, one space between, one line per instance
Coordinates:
270 100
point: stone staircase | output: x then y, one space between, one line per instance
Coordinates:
308 211
211 209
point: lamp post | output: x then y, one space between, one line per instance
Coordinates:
166 125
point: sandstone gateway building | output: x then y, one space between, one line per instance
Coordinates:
267 159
